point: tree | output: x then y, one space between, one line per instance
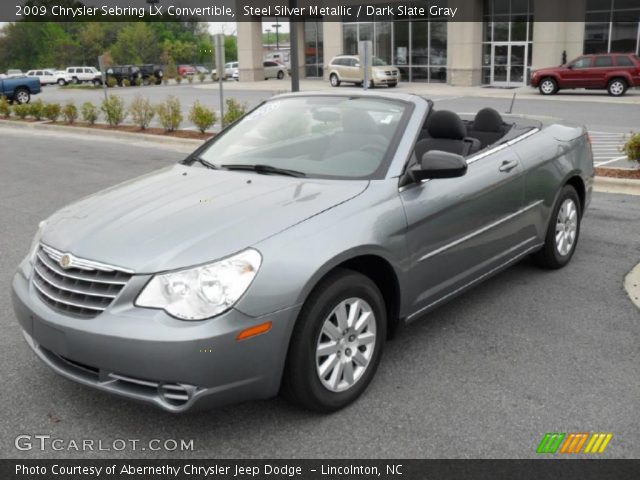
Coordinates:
137 43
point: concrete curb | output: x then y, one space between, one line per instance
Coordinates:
112 134
617 185
632 285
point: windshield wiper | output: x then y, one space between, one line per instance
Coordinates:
259 168
204 163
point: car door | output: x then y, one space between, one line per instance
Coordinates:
597 75
461 229
353 70
576 75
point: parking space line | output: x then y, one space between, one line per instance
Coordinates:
612 160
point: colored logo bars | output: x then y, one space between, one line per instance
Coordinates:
573 442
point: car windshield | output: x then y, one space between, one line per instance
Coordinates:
378 62
320 136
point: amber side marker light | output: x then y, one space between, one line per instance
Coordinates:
253 331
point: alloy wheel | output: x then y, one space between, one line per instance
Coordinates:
616 88
566 227
547 87
22 97
345 345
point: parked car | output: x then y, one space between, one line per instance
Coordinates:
393 235
46 77
84 75
614 72
202 69
120 73
230 68
14 72
62 77
274 70
348 68
148 70
19 89
186 70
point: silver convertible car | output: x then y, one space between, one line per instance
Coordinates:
281 255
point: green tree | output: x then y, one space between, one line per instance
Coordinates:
137 43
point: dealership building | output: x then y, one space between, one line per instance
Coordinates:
499 45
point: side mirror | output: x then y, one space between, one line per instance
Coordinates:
439 164
570 67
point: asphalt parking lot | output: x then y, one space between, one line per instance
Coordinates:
526 353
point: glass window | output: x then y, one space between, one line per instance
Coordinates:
317 136
582 62
420 44
366 31
622 61
350 32
501 29
401 37
596 38
603 62
438 51
519 29
624 37
382 47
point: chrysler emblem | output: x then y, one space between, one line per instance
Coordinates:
65 261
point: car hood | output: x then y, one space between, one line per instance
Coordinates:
182 216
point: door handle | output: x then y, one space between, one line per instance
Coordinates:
508 165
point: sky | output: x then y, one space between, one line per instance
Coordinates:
229 28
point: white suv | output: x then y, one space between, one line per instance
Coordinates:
84 74
46 77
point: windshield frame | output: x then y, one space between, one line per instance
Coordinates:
378 174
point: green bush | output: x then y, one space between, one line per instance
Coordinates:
89 113
632 147
36 109
214 76
113 109
111 82
179 79
201 77
70 112
5 107
170 114
52 111
142 112
21 110
138 82
165 80
233 112
126 82
153 80
202 117
190 78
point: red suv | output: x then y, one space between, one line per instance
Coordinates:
614 72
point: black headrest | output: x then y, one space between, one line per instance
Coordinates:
487 120
446 124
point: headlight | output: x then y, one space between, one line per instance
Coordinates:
202 292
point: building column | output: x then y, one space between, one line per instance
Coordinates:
550 39
464 45
332 41
250 51
299 26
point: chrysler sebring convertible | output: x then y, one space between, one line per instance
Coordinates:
280 255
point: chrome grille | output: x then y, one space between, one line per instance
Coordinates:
84 289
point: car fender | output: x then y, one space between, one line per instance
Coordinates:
619 74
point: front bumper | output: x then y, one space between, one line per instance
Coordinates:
386 80
147 355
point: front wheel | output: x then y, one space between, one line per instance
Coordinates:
335 81
337 343
280 75
548 86
563 231
61 82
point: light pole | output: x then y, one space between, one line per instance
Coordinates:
277 27
268 30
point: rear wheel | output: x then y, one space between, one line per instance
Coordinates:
548 86
337 343
563 231
22 95
335 81
61 82
280 75
617 87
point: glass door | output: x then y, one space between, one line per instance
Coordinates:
508 64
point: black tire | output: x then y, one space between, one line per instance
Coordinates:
61 82
22 95
548 86
549 256
334 80
617 87
301 382
280 75
75 80
97 83
371 84
393 85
